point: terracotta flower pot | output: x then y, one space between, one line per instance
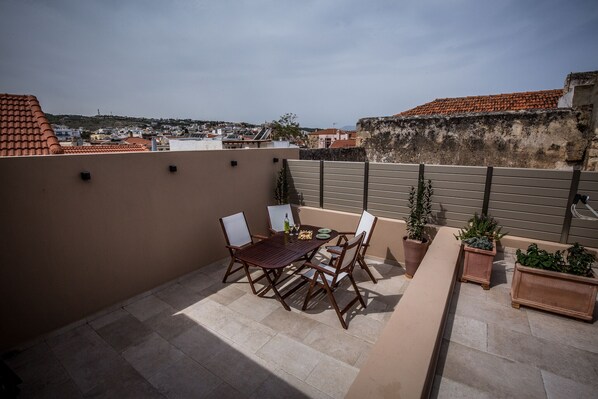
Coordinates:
477 265
415 251
561 293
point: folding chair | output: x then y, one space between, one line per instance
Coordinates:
276 215
329 276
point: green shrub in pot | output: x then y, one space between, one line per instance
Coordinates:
578 261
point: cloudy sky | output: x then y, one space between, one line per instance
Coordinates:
328 61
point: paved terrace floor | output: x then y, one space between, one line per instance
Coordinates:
199 338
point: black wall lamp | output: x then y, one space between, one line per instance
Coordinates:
172 168
233 163
274 160
85 176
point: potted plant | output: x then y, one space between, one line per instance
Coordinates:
550 282
415 243
479 239
281 190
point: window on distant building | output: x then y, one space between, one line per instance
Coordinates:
328 141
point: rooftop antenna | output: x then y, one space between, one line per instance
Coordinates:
98 112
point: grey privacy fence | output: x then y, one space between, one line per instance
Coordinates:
531 203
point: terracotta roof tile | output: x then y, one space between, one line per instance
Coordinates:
94 149
140 141
343 143
545 99
24 129
328 131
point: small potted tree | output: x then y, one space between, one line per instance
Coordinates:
479 239
550 282
281 189
415 243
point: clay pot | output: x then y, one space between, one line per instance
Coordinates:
478 265
414 253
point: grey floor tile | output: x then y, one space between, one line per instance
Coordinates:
223 293
558 387
238 370
551 327
281 384
179 296
124 332
199 343
108 318
255 307
147 307
291 356
293 324
445 388
332 377
489 373
336 343
168 325
225 391
185 379
557 358
152 355
467 331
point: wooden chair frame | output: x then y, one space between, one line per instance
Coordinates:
364 247
321 271
232 249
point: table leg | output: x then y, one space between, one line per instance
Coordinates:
273 287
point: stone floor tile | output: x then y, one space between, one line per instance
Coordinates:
489 373
281 384
147 307
364 327
336 343
551 327
255 307
198 281
237 369
291 356
253 336
200 343
223 293
499 295
54 389
491 313
168 325
467 331
225 391
332 377
364 355
557 358
124 332
185 379
179 296
445 388
109 318
209 314
293 324
152 355
124 385
558 387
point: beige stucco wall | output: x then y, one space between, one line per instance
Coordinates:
69 247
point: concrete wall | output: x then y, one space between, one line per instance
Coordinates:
353 154
70 247
554 139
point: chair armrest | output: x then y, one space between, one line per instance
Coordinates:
333 250
343 236
318 268
259 236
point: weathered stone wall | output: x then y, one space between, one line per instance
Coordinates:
352 154
547 139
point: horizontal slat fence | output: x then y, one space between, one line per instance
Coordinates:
343 186
586 231
529 203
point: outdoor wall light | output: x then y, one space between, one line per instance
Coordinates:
274 160
85 176
172 168
233 163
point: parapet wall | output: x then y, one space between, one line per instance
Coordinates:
547 139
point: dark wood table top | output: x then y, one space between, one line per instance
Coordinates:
281 249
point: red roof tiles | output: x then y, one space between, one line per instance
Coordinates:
93 149
343 143
24 129
545 99
327 131
139 140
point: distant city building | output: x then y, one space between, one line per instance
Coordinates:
64 133
325 138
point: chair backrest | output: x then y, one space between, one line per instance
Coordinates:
235 230
367 222
348 256
276 215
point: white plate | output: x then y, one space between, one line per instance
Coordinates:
323 236
324 231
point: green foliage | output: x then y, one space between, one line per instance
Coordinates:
286 128
479 242
420 207
281 191
481 226
579 261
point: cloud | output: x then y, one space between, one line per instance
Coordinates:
326 61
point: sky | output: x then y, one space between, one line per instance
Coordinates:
331 62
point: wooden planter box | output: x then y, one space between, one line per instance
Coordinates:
478 265
561 293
